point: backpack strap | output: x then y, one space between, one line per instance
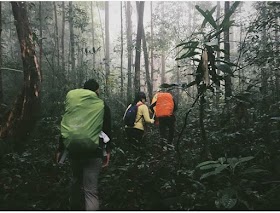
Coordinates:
141 115
126 110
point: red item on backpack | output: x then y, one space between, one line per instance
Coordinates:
164 105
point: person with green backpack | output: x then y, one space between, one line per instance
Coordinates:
85 125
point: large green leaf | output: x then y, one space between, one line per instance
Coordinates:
188 54
208 174
188 44
208 17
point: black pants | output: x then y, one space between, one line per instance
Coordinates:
134 138
167 127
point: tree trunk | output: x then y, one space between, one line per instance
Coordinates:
21 119
41 37
228 83
264 73
276 57
92 32
217 95
56 34
140 10
72 43
62 37
206 154
107 41
146 58
1 81
129 51
122 51
162 76
152 49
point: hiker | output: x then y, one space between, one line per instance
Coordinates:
163 106
85 127
135 120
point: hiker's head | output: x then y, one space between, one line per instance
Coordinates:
140 96
92 85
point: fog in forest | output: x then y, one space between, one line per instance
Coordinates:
200 81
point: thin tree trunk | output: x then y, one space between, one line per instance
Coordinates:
102 29
1 81
276 56
129 51
93 34
62 36
217 95
25 111
146 58
122 91
72 43
152 48
140 9
162 76
41 38
107 41
12 55
228 83
206 148
56 33
264 72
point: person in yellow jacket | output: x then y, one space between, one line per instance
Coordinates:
136 132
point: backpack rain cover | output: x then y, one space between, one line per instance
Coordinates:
82 121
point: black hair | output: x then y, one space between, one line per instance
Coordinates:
91 84
139 96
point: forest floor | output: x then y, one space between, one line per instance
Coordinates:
31 180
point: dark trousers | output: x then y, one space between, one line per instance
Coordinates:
167 128
134 138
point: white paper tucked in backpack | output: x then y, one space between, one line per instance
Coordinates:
105 137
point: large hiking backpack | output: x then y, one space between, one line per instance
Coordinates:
165 105
130 115
82 122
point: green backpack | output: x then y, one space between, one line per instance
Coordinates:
82 122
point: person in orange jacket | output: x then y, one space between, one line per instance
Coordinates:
164 106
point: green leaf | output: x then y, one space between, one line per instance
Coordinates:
221 168
208 174
189 44
188 55
208 17
209 166
275 118
244 159
206 163
224 68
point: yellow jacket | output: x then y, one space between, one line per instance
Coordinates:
142 116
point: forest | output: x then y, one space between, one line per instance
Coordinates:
219 59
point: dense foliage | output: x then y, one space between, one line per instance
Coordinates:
225 155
